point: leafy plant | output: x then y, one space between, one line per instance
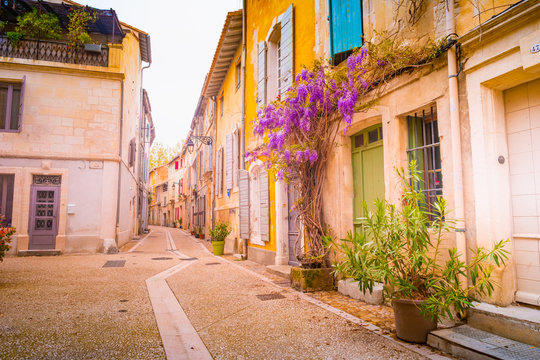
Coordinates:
180 220
220 231
14 38
77 34
401 247
5 238
38 25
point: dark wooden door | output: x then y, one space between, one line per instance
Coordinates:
43 226
292 195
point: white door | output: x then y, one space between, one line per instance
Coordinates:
522 108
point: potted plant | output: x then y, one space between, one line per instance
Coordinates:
180 222
5 238
218 234
197 230
201 233
192 230
401 248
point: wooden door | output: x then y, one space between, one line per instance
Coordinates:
43 227
368 171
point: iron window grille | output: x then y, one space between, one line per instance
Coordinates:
425 148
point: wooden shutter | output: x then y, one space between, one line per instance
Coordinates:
264 198
235 157
261 74
345 25
219 167
243 194
287 50
229 162
21 101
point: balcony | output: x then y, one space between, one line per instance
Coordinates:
55 51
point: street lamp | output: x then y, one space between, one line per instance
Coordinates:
206 140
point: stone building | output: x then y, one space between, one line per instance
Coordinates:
69 133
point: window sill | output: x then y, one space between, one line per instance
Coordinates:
10 131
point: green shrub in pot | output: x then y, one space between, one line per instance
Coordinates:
401 247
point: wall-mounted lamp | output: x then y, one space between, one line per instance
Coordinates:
206 140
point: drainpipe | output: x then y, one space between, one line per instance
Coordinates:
119 163
461 241
243 142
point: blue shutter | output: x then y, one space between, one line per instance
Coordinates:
345 25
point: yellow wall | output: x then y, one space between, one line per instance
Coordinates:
261 16
226 124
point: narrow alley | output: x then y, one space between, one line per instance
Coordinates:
113 307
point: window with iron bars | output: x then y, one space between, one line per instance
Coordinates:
425 147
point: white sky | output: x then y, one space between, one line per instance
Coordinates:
184 36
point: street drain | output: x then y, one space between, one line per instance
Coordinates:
123 300
213 263
162 258
273 296
189 259
122 310
115 263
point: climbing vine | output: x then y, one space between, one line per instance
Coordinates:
300 129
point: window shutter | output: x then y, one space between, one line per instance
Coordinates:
261 74
21 101
264 196
345 25
229 162
287 50
176 165
235 158
243 194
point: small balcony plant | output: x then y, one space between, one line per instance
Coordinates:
218 235
401 248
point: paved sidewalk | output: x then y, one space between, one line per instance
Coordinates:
239 316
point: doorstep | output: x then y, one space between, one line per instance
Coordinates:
466 342
283 271
518 323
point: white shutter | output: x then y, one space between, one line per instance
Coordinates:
229 161
243 194
264 197
235 157
261 74
287 50
219 169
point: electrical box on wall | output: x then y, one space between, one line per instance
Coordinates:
71 209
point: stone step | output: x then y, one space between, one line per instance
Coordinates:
518 323
465 342
349 287
39 252
283 271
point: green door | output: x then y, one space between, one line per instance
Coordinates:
368 171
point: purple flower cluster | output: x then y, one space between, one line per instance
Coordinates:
290 125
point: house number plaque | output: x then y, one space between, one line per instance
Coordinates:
535 48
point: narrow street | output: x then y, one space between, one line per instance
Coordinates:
72 307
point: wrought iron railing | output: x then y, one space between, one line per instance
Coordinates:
53 51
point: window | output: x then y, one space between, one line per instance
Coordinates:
132 152
6 199
345 28
275 60
425 148
238 73
221 105
11 103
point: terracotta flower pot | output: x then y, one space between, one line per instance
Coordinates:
411 325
